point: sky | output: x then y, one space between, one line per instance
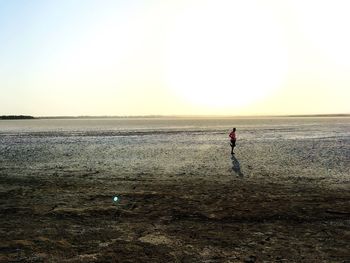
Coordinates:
180 57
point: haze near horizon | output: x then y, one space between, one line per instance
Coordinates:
174 57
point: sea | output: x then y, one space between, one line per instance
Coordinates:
178 147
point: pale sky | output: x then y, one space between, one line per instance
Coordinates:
190 57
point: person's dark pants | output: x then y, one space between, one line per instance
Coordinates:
233 144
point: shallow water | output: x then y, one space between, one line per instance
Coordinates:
178 147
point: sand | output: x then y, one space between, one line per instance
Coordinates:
237 220
284 197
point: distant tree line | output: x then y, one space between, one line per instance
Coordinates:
15 117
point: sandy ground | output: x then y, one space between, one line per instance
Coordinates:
284 197
237 219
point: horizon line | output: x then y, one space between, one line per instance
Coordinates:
183 116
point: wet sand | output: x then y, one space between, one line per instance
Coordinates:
69 216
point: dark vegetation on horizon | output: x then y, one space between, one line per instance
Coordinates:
16 117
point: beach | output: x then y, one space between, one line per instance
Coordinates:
181 197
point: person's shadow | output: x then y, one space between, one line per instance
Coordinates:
236 167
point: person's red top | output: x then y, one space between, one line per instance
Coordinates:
233 135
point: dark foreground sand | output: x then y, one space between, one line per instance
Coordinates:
70 217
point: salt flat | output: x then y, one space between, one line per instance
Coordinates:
179 198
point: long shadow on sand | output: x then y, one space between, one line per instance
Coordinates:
236 167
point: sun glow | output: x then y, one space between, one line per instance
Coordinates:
218 56
183 57
326 28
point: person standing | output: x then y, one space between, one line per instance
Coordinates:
233 139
